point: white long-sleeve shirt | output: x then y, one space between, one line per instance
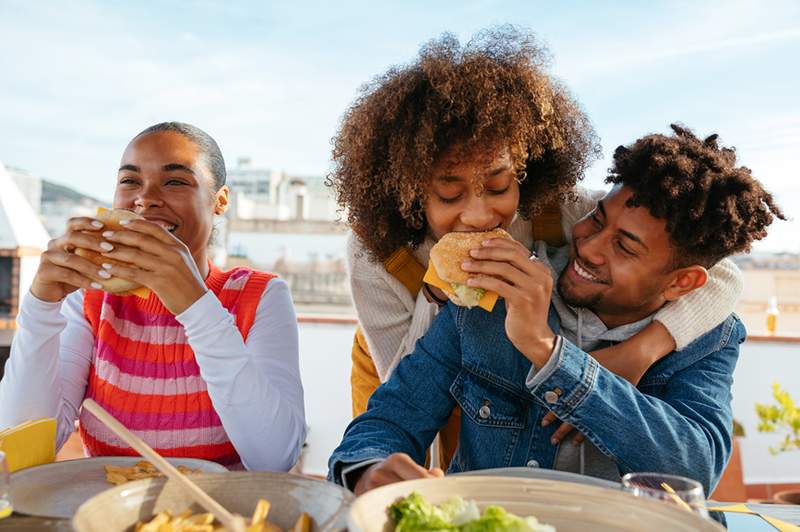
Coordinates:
393 320
254 386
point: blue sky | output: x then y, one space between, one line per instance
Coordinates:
271 80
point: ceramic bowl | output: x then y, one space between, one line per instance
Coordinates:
118 509
568 506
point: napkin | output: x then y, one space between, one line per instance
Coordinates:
29 444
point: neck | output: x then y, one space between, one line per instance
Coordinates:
201 259
619 317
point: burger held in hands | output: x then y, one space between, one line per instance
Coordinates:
445 269
111 220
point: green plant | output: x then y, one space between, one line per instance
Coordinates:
783 417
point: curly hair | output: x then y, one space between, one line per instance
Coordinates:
712 207
493 91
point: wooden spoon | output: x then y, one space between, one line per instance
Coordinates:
234 523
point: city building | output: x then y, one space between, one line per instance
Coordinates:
264 194
22 240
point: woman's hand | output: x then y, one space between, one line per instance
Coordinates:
163 263
505 266
61 272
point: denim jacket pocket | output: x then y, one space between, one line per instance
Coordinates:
487 404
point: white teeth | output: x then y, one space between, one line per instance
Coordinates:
583 273
169 227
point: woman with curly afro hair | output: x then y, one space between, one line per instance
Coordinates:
467 138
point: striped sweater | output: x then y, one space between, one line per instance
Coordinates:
144 372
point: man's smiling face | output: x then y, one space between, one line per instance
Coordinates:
620 261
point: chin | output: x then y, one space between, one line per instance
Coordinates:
573 297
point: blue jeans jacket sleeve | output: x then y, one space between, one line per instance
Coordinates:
683 428
405 413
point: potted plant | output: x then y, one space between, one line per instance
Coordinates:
731 486
783 417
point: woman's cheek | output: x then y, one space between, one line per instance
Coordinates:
441 218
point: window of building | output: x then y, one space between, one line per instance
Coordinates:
6 283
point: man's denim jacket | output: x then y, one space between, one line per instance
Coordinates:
678 420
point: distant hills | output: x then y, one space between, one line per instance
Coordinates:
56 193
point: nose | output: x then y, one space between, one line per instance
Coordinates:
477 215
591 248
148 196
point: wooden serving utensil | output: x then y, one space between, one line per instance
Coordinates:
675 497
234 523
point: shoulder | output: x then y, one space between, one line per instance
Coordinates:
359 261
585 201
722 342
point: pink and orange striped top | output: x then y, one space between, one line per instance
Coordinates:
144 372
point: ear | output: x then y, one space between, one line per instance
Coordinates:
684 281
221 200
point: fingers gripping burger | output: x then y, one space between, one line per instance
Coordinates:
444 269
111 221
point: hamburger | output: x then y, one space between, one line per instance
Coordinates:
111 221
444 269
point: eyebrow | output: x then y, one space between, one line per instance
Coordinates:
172 167
499 170
634 238
601 208
449 178
626 234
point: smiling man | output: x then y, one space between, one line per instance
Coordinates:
678 206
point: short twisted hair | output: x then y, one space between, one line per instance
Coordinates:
713 208
493 91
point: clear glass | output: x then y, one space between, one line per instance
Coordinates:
682 492
5 488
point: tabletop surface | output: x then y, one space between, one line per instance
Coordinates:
736 522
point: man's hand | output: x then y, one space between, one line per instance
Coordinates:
506 267
396 468
630 360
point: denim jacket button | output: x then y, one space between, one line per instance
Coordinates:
551 397
532 463
484 412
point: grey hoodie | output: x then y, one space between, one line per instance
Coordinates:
583 328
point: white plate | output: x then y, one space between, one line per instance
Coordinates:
567 506
58 489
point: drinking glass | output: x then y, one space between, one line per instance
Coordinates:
5 487
682 492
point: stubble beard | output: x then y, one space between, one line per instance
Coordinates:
575 300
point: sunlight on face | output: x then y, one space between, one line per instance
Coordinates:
471 192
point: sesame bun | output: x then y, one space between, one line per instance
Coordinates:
111 219
453 249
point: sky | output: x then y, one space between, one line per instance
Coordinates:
271 80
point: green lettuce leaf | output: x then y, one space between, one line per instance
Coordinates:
415 514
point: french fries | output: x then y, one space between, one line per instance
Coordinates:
142 469
188 522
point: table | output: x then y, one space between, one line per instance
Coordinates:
736 522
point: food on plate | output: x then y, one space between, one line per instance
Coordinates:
415 514
444 270
188 522
111 221
142 469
